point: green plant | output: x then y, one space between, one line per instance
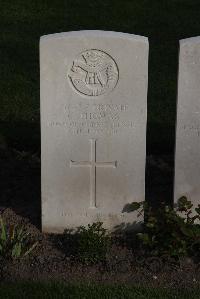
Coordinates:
171 231
93 243
14 241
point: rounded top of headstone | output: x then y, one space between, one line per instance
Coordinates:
94 33
190 40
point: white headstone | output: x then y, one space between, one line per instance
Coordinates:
187 158
93 127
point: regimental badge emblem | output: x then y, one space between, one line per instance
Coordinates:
93 73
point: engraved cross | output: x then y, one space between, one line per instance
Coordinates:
93 164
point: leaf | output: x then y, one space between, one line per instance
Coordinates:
198 210
3 230
16 251
182 200
184 204
187 231
21 235
30 249
12 232
150 225
167 209
134 206
144 238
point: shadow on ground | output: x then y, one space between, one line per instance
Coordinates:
20 183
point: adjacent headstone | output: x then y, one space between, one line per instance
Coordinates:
187 158
93 127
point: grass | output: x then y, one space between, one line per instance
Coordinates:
90 291
24 21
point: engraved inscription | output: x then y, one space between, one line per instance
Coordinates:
86 214
96 119
190 129
93 164
93 73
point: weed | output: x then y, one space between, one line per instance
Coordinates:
171 231
93 243
14 241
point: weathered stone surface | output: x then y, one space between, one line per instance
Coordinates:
187 158
93 127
